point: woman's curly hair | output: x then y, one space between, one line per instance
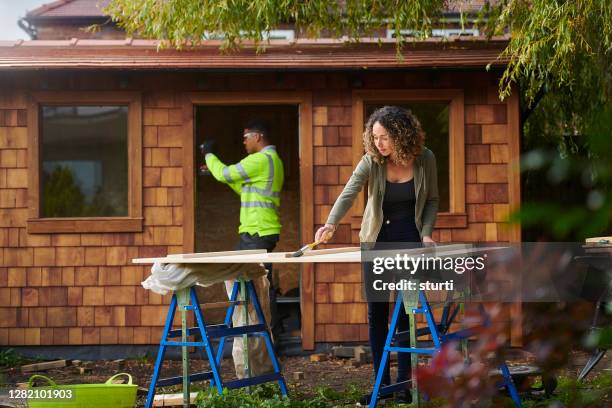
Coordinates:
404 130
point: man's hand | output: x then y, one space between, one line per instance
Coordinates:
209 146
325 233
204 170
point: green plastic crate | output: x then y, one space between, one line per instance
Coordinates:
85 395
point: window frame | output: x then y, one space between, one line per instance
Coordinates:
130 223
456 217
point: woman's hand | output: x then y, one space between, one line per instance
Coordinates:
428 241
325 233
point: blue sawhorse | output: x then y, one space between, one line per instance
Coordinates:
439 334
187 300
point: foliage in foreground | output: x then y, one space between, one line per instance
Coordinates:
183 22
595 392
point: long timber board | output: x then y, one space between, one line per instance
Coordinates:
332 255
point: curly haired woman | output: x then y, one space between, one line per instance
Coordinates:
402 206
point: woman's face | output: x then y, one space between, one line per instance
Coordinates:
382 140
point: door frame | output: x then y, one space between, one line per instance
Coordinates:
304 101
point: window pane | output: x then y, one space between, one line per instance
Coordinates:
84 171
434 120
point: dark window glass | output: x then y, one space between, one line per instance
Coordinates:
434 120
84 171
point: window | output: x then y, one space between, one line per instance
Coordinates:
85 173
441 114
434 121
288 35
437 33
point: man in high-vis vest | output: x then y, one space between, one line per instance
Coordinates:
258 179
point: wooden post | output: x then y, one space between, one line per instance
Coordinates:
183 301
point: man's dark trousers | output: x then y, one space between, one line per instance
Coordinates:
268 242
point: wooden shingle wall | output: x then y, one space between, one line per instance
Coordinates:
82 289
71 289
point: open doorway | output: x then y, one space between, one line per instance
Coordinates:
217 207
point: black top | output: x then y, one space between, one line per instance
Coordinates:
399 213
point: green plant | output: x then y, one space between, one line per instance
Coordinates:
595 392
268 396
9 358
140 359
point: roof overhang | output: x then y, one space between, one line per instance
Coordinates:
59 20
129 54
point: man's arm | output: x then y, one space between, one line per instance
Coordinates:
234 175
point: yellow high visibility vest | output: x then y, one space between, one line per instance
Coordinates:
258 179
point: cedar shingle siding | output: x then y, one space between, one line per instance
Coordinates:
82 289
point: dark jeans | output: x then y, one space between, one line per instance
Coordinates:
378 328
268 242
378 311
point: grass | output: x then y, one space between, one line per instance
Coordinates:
140 358
9 358
268 396
595 392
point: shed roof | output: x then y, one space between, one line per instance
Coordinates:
301 54
70 8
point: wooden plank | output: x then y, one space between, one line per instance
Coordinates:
33 159
514 179
316 252
218 305
47 365
307 219
135 155
456 141
514 196
173 400
597 240
219 253
357 131
346 255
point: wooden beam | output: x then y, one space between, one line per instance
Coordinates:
514 197
47 365
220 253
173 400
316 252
188 133
331 255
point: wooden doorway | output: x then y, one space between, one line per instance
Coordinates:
220 107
